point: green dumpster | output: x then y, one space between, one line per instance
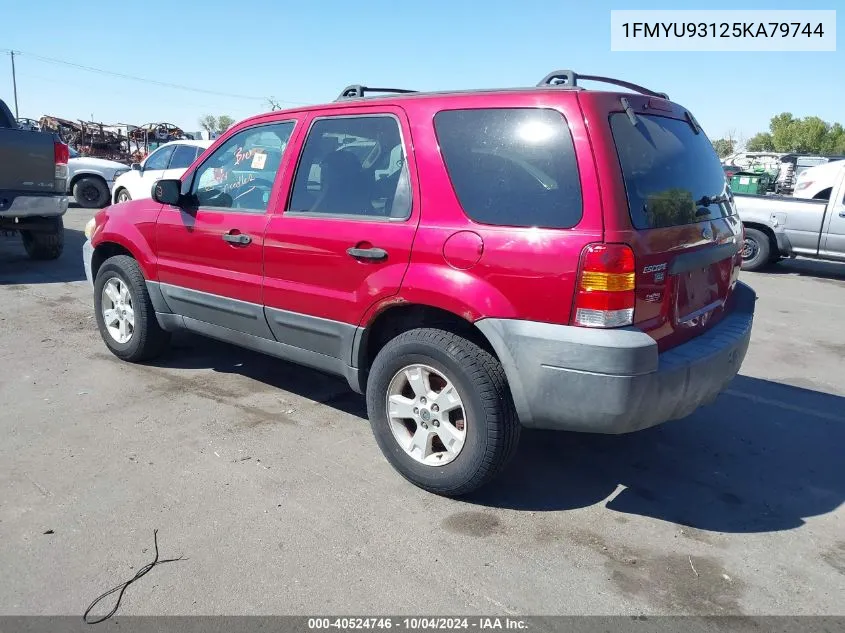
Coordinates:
750 182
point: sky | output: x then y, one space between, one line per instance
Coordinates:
305 52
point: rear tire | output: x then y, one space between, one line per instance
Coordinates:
489 423
46 244
756 251
147 339
91 192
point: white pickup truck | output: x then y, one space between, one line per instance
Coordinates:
777 227
90 180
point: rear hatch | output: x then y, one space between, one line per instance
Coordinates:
665 194
28 160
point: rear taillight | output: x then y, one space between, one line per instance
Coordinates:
606 280
61 155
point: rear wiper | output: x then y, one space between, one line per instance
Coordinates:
706 201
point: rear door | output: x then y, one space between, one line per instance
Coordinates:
344 239
665 194
210 255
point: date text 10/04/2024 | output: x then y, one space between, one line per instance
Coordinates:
417 623
722 29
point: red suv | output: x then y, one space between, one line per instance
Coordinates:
474 262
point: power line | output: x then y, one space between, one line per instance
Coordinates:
53 60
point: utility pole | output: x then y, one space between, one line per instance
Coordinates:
14 84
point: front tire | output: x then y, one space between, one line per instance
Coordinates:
756 250
474 429
125 314
91 193
45 244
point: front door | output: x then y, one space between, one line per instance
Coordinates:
343 241
210 253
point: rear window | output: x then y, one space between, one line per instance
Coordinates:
512 167
672 175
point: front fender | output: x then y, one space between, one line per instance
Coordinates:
132 227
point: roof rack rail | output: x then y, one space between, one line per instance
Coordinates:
569 79
356 91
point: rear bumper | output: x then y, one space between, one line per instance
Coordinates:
28 206
615 381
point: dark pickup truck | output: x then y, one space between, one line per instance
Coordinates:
33 186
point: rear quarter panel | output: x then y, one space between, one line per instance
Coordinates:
800 220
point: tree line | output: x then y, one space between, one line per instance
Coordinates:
787 134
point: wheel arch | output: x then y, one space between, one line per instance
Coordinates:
767 231
111 246
396 319
86 174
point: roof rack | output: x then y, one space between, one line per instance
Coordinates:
569 79
356 91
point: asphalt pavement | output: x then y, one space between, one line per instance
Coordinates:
265 477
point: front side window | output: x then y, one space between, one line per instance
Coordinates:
512 166
159 158
240 173
183 157
353 166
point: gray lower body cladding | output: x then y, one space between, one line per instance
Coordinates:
615 381
307 340
561 377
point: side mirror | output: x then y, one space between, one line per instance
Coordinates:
136 167
167 192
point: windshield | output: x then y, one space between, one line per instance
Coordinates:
73 153
672 175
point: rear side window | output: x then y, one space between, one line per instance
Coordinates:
512 167
353 167
672 175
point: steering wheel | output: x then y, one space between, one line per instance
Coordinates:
243 191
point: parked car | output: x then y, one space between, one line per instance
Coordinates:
90 180
778 226
33 182
167 161
513 266
817 182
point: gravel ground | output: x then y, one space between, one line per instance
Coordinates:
265 476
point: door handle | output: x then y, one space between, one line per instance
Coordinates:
842 214
367 253
241 239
